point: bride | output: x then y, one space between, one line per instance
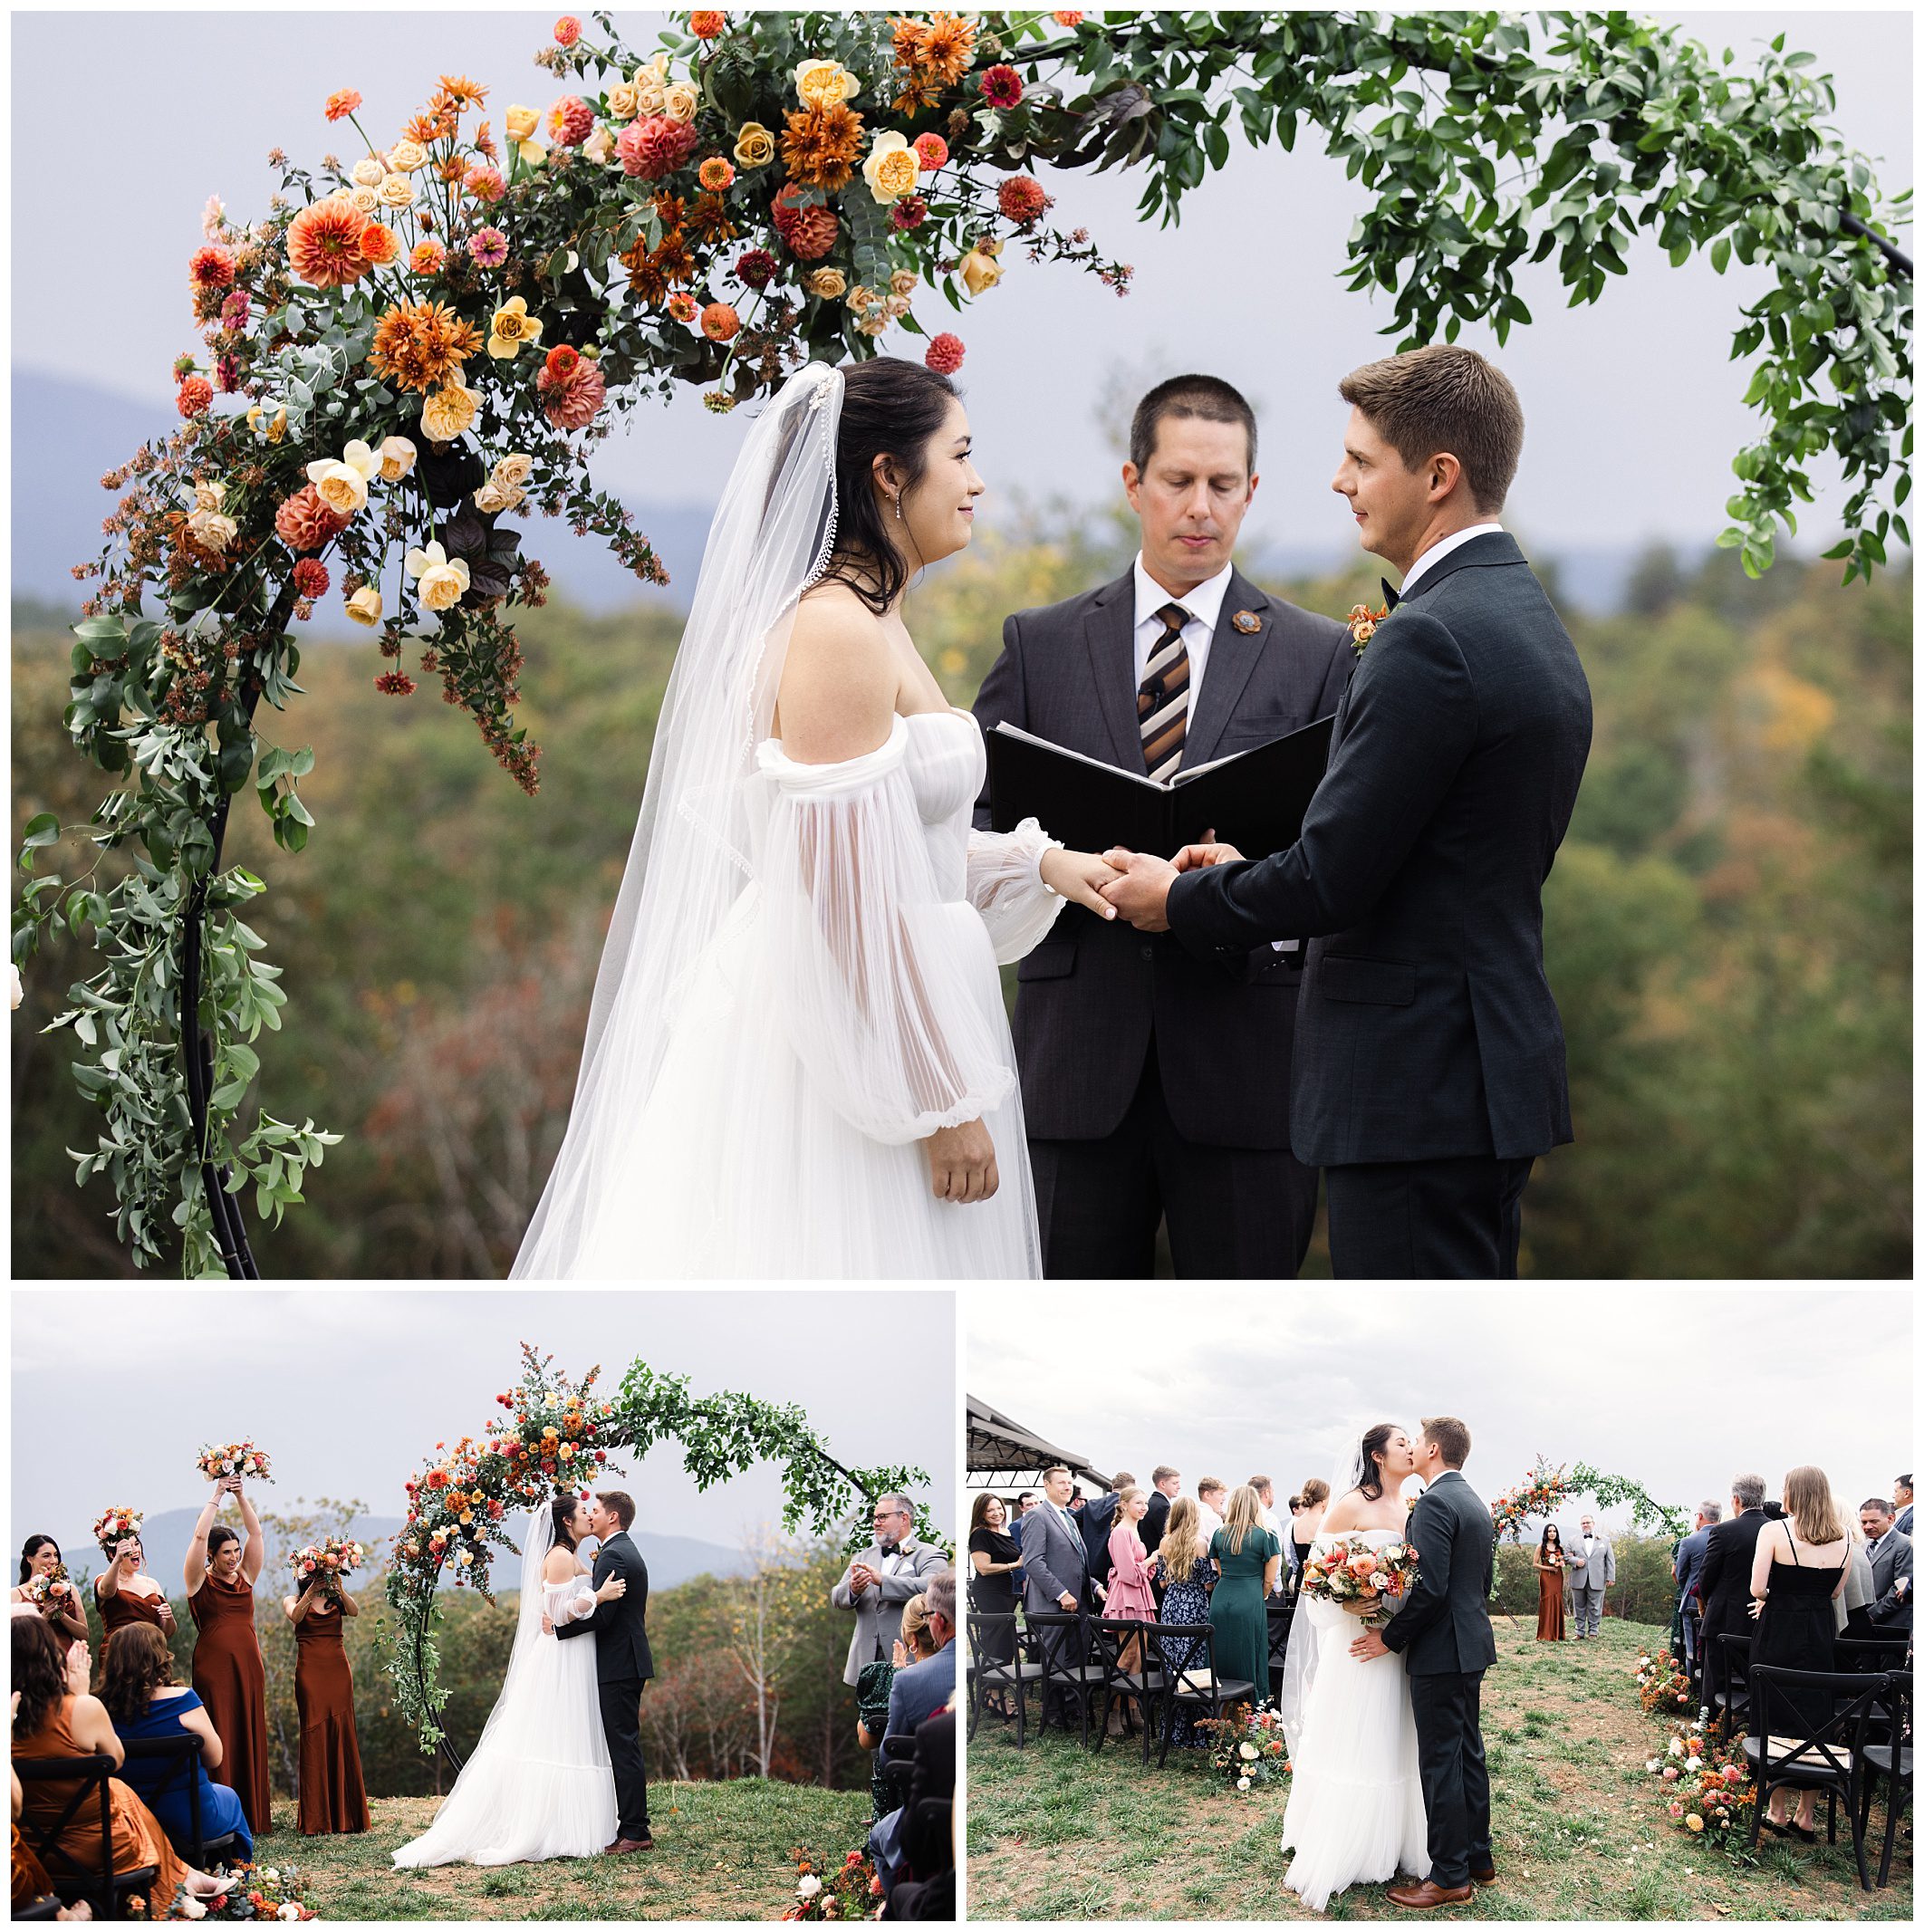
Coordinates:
540 1784
797 1059
1355 1811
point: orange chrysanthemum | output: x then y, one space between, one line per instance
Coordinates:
919 91
323 243
821 145
418 345
424 129
452 167
709 220
940 49
469 94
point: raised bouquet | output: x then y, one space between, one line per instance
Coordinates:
1248 1746
1366 1583
113 1526
50 1590
234 1458
330 1558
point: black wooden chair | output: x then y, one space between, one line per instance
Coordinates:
103 1888
182 1751
47 1908
1730 1703
991 1675
1185 1653
1784 1750
1143 1682
1058 1642
1883 1751
1279 1614
1876 1655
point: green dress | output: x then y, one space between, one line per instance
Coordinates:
1237 1608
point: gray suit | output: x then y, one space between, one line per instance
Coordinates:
878 1609
1890 1561
1588 1582
1054 1559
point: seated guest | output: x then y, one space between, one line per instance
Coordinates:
994 1558
141 1697
928 1851
927 1684
126 1594
1685 1568
55 1717
872 1690
1887 1613
39 1557
1722 1581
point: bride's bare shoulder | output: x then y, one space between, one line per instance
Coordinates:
560 1566
839 680
1346 1513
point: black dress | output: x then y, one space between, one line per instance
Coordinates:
1296 1575
1798 1631
994 1596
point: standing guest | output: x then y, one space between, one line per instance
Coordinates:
53 1716
1188 1573
1305 1522
1550 1586
1129 1563
1211 1499
141 1695
1799 1567
1723 1583
1097 1518
229 1674
1900 1491
1165 1487
40 1556
1887 1613
881 1580
1685 1566
332 1797
124 1592
1025 1503
1054 1565
1247 1559
923 1684
995 1557
1593 1568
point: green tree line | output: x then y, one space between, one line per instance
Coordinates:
1727 926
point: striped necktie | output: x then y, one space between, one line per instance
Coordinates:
1162 703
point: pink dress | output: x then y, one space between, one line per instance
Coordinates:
1130 1595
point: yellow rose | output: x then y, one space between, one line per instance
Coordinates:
521 123
449 411
367 172
861 297
755 146
599 146
891 169
826 282
405 156
902 282
343 486
513 330
366 201
277 429
364 606
491 498
979 270
621 102
513 470
825 83
397 459
396 191
532 154
442 581
876 325
678 102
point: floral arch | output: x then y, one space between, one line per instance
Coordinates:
1543 1490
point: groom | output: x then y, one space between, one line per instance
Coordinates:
622 1663
1429 1066
1443 1633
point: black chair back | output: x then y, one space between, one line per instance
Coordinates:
184 1749
1786 1749
1128 1672
1734 1677
1058 1642
1884 1751
1876 1655
99 1883
1184 1656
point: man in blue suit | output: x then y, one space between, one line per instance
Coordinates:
917 1691
1686 1567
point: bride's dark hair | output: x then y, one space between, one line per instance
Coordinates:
888 408
561 1513
1371 1483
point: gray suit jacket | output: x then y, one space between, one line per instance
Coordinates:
878 1609
1602 1568
1053 1561
1888 1562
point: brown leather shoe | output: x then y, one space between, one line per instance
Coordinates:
1482 1874
1421 1898
623 1846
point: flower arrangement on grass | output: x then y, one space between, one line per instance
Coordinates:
853 1889
234 1458
264 1891
1247 1749
1662 1682
1708 1790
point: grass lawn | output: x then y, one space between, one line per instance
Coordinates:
1057 1833
721 1851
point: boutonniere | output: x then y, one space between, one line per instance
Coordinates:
1362 622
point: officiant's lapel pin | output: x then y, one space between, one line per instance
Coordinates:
1247 622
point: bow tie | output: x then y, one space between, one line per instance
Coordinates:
1392 599
890 1549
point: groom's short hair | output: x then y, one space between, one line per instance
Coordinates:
1445 398
1449 1439
619 1502
1208 397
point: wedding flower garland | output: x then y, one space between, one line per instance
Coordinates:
558 1437
1544 1491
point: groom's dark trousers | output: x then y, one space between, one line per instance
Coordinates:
1155 1086
1443 1634
1430 1061
622 1667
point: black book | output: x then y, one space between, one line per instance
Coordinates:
1252 800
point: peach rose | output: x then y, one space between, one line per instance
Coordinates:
449 411
623 104
405 156
679 101
396 191
364 606
827 282
825 83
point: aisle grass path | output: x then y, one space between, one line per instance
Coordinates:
1057 1833
721 1851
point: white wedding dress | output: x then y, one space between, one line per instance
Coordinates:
540 1784
1355 1813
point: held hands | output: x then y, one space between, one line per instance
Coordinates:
962 1163
1370 1644
547 1624
1079 877
1140 890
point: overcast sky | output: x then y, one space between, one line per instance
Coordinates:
348 1389
1679 1388
1632 404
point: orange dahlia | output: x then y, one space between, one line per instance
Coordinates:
462 92
341 102
821 145
421 344
380 245
323 243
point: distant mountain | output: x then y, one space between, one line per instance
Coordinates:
671 1559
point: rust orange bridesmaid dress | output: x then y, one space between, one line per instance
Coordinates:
332 1797
1550 1606
129 1606
231 1682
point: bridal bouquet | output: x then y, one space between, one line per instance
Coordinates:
112 1525
332 1558
234 1458
50 1590
1359 1579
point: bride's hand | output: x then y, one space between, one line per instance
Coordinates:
962 1163
616 1586
1079 877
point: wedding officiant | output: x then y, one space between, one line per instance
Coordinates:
1155 1086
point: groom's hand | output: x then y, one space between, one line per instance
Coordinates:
1142 893
1370 1644
1192 857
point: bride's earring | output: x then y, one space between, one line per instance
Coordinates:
898 509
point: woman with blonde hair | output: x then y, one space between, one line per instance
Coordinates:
1248 1558
1188 1573
1129 1563
1801 1565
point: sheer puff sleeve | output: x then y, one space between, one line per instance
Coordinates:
871 969
1006 886
571 1601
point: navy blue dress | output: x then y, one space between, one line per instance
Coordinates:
1187 1602
163 1786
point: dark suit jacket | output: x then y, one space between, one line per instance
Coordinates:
1723 1584
1098 1518
621 1627
1091 997
1444 1628
1426 1030
1156 1521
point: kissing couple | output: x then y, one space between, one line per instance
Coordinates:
558 1773
798 1061
1383 1723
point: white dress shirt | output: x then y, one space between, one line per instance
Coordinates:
1208 1521
1204 604
1438 552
